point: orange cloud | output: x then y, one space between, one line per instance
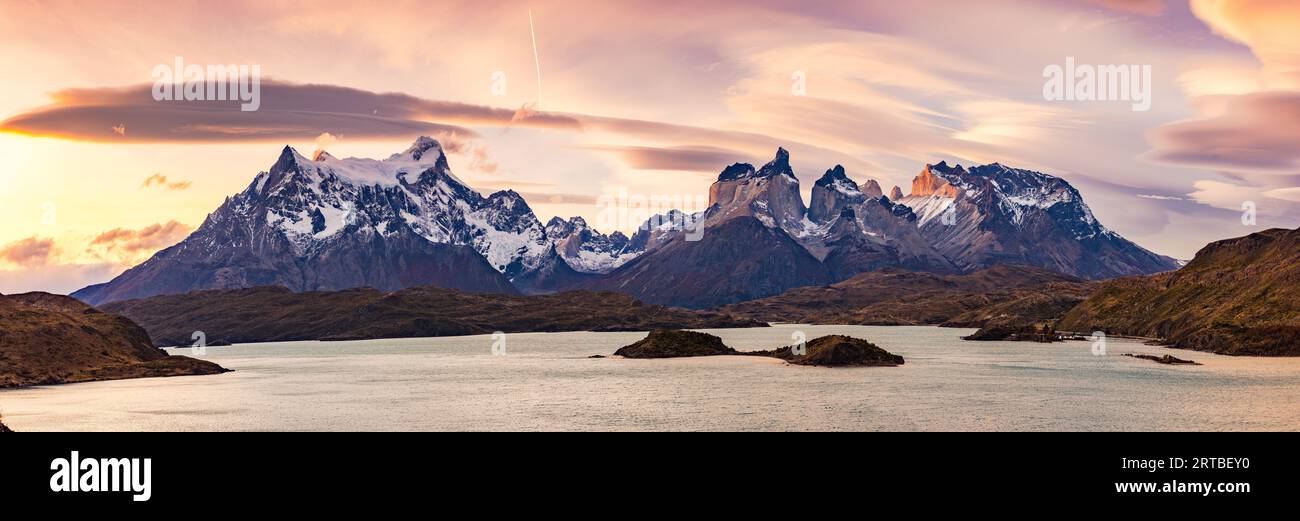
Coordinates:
1268 27
686 159
28 252
145 240
1247 122
1256 131
161 180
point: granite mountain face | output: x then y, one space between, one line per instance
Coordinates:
326 224
993 214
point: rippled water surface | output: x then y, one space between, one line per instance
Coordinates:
544 381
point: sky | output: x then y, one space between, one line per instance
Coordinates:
648 98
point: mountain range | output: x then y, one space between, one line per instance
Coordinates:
323 223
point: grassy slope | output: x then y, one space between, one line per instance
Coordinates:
1238 296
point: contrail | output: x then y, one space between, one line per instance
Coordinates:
536 61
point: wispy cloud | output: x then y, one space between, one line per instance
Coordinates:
683 158
1162 197
162 181
289 112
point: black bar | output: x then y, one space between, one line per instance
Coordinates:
247 469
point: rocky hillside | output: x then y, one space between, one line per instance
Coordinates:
271 314
1237 297
52 339
894 297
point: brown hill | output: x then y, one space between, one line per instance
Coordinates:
1236 297
893 297
274 314
52 339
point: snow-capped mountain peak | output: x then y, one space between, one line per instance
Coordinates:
424 148
310 202
423 157
988 214
588 250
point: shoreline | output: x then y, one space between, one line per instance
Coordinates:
1150 341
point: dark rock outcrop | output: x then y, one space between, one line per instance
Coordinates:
52 339
836 351
667 343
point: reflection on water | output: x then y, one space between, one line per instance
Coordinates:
545 381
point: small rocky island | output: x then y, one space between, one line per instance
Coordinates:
836 351
675 343
1014 331
826 351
